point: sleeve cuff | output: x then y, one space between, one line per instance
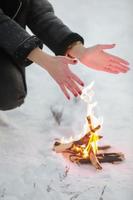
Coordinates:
73 37
25 48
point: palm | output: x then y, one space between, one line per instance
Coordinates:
64 77
95 57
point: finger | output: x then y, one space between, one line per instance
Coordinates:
75 86
107 46
68 60
71 89
110 70
77 79
119 66
120 60
65 91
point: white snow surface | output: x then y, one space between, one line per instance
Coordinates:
29 169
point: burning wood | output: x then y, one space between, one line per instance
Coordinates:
86 149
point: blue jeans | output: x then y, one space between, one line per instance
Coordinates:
13 89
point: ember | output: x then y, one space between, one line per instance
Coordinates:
86 149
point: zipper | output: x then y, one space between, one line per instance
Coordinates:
18 9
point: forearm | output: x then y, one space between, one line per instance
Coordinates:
43 59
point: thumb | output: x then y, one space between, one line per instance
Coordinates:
71 60
107 46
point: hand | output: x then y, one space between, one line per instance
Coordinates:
95 58
59 69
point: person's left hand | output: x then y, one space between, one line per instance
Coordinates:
96 58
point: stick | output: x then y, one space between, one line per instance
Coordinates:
59 148
105 147
94 160
106 157
110 157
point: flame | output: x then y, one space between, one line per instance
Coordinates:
92 143
85 150
87 96
91 128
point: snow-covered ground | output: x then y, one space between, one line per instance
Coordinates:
29 169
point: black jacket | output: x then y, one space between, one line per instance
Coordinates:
39 16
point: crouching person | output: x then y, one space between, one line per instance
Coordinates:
19 49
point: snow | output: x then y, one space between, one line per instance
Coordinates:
29 169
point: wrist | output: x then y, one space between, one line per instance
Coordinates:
41 58
76 50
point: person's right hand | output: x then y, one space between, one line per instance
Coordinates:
58 68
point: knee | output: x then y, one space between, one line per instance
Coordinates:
9 104
11 100
12 91
13 87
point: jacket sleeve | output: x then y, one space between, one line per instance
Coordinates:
49 28
15 41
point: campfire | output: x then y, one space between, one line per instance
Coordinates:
86 149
